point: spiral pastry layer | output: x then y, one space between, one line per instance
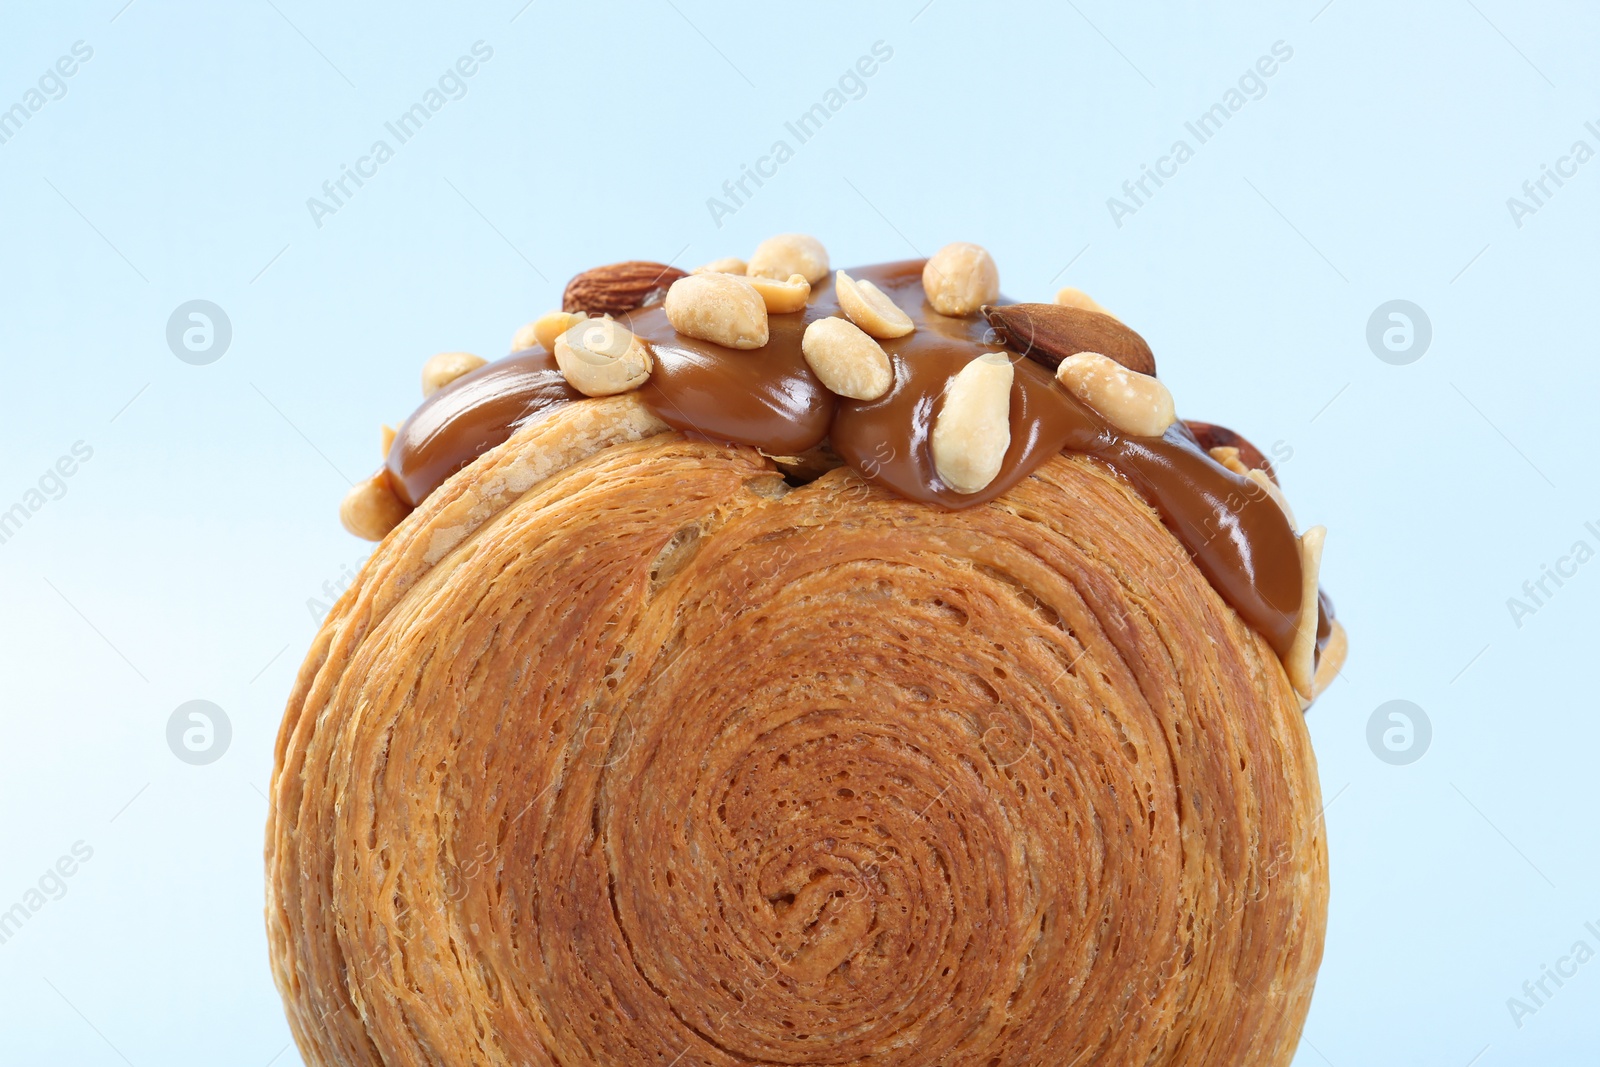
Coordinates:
623 751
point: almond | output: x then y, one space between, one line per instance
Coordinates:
1210 436
619 287
1049 333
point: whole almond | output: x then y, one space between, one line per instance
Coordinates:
972 431
848 362
1049 333
619 287
1137 404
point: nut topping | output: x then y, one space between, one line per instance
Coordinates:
973 429
1134 403
1049 333
789 253
849 362
782 298
446 367
1229 457
870 308
1071 297
525 338
725 265
552 325
960 278
619 287
371 509
1301 660
1211 437
598 357
719 308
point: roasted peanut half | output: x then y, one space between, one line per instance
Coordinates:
385 439
789 253
1077 298
848 361
870 308
1300 663
782 298
599 357
719 308
552 325
725 265
371 509
1229 457
960 278
525 338
1134 403
445 368
973 428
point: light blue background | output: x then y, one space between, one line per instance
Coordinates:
180 560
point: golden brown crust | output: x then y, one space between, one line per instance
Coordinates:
619 753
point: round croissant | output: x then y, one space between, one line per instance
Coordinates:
623 751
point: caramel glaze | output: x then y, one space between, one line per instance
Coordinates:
769 399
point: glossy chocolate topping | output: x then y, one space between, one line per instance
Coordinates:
471 415
768 398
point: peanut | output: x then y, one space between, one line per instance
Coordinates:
725 265
1300 664
1137 404
848 361
789 253
1077 298
371 509
553 324
960 278
782 298
973 428
598 357
869 308
719 308
525 338
446 367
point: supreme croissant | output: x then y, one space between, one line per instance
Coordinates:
773 664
